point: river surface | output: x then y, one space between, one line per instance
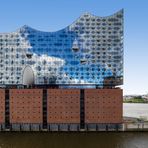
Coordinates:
81 140
137 110
74 140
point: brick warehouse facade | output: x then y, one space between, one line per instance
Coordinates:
26 107
103 106
60 109
63 107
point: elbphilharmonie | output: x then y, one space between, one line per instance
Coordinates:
66 80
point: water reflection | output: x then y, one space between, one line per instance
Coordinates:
74 140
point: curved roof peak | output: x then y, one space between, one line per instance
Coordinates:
26 28
86 13
92 15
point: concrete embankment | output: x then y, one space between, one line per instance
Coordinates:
134 124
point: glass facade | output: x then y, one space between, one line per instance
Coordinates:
89 51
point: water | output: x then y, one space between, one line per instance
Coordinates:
74 140
137 110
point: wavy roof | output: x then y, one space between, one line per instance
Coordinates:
26 27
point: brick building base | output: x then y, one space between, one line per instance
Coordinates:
61 109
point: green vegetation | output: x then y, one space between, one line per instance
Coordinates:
137 99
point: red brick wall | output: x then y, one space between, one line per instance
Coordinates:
63 106
26 105
103 105
2 105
